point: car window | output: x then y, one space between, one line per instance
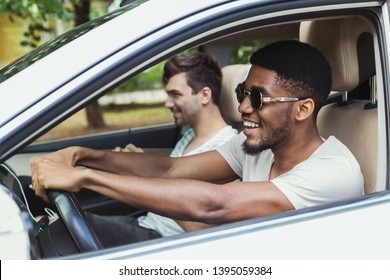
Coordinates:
137 102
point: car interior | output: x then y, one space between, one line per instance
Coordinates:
353 121
351 113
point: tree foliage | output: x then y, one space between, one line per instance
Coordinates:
244 49
36 12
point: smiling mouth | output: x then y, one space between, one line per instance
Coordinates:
248 124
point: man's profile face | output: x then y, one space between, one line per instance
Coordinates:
184 105
269 126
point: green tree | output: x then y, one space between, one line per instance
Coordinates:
36 12
243 50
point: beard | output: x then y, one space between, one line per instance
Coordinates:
278 135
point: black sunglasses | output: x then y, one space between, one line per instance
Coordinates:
257 99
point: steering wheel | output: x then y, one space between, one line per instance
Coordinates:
69 210
75 220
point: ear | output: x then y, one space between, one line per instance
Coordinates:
206 95
305 109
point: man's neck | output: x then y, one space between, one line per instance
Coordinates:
207 126
298 150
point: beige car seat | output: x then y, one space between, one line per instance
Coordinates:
348 45
232 76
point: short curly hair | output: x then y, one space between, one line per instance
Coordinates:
201 71
301 69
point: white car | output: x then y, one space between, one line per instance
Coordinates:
62 76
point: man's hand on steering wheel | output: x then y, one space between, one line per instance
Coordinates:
49 174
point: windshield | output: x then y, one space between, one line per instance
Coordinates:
50 46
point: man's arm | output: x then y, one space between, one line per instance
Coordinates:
139 164
189 226
143 164
182 199
193 200
105 160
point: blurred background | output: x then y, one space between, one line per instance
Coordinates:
25 24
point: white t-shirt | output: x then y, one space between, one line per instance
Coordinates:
167 226
331 173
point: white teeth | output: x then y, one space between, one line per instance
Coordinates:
251 124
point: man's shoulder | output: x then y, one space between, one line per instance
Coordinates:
336 155
221 137
229 131
332 145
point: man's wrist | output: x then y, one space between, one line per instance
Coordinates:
84 178
80 155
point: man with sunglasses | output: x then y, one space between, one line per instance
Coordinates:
280 156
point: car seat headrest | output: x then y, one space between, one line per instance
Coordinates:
348 46
232 76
